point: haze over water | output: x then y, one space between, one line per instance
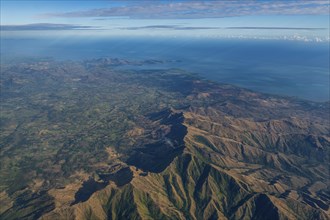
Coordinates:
126 109
288 68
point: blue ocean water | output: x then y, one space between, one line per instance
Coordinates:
289 68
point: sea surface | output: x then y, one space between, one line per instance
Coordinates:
290 68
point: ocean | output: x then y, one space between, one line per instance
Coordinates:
289 68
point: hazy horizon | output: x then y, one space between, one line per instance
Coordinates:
169 110
293 20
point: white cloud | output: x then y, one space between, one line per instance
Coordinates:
197 9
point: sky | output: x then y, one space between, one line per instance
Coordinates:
306 20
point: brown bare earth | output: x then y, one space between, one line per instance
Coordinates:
157 145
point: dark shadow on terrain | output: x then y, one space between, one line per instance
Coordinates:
157 156
88 188
202 180
33 205
264 208
122 177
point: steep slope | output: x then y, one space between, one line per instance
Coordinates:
224 173
85 141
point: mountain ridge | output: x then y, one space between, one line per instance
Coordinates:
209 184
102 143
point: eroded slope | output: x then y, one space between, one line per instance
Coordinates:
93 142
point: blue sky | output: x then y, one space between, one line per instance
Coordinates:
293 19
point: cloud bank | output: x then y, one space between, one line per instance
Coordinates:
202 9
278 28
52 26
179 27
45 27
168 27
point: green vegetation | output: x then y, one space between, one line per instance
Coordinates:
89 140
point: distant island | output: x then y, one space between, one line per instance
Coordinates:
87 140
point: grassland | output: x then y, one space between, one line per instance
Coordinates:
89 140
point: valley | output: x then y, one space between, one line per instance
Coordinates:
88 140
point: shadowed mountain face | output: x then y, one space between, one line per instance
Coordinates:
85 140
155 157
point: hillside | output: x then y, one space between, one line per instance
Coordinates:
85 140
